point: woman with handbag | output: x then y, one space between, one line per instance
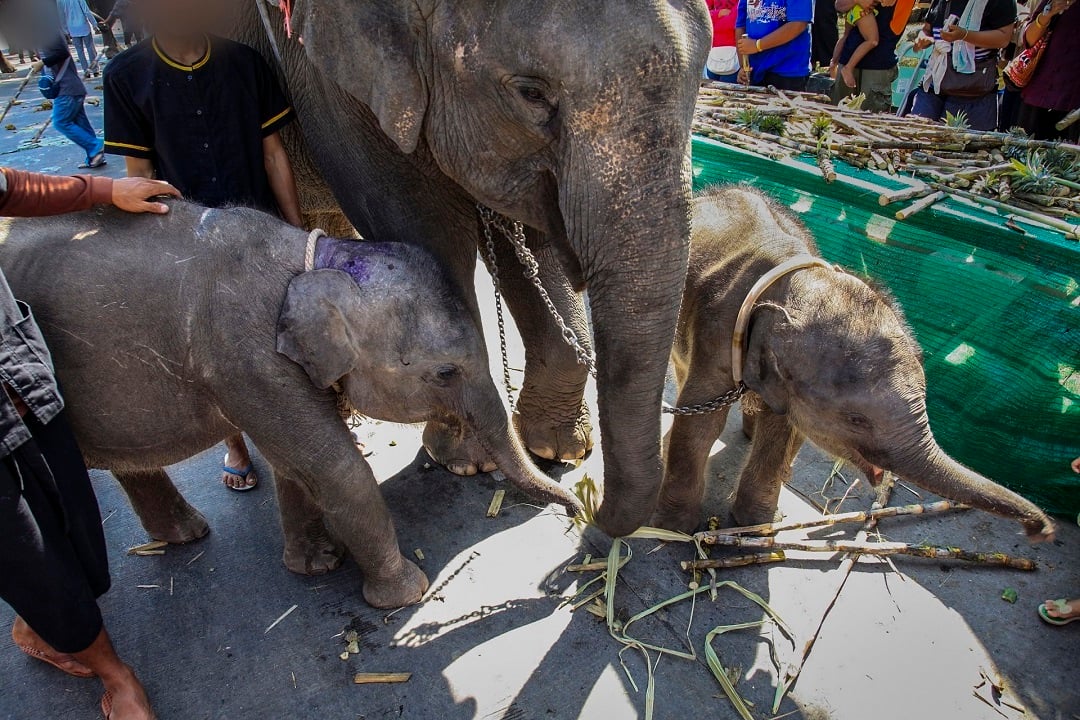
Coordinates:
1046 71
962 73
723 64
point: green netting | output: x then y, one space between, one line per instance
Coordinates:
996 311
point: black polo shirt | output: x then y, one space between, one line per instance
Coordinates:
202 125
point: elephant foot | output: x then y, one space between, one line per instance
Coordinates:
552 435
313 553
405 585
744 514
184 526
457 449
680 517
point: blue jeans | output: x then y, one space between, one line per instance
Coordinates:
69 117
982 112
84 45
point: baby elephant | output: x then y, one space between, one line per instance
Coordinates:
171 333
825 356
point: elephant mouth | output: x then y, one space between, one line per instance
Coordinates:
873 473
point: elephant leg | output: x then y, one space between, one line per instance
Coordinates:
455 447
552 418
686 456
313 447
776 443
162 510
310 549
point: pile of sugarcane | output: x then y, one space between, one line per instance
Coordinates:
1013 174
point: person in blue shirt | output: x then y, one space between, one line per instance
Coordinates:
774 39
78 23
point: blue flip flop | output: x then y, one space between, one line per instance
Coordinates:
242 473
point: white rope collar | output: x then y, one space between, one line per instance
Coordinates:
742 322
309 251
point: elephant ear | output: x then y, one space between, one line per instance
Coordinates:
762 374
370 50
314 329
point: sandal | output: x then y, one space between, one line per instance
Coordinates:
241 473
1061 606
95 162
56 661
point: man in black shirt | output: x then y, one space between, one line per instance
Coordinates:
204 114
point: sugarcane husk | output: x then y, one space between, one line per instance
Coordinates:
920 205
859 516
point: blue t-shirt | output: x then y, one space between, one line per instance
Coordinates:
761 17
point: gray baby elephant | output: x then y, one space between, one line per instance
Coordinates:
827 358
170 333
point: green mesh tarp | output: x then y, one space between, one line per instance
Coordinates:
996 311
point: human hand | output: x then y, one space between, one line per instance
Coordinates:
746 46
922 42
952 33
1057 7
134 195
744 76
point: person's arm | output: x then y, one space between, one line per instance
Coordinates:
282 182
991 39
138 167
27 194
777 38
1038 25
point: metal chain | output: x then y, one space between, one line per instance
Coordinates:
487 217
515 233
707 408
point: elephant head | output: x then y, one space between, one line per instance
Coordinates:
574 118
389 334
839 360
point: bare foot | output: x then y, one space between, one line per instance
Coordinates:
849 76
1076 465
33 645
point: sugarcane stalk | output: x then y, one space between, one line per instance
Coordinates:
1071 231
733 562
41 130
888 198
920 205
825 164
858 516
878 549
22 86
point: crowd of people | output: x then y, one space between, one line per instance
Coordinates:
962 46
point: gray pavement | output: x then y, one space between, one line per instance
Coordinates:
496 641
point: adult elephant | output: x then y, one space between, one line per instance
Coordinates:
570 116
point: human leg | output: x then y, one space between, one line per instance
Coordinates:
96 153
237 472
125 698
981 112
66 118
867 26
783 82
928 105
877 85
80 48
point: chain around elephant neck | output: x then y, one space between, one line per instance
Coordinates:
515 233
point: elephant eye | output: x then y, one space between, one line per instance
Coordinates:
857 420
533 94
445 374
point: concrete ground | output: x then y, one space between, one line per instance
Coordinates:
497 641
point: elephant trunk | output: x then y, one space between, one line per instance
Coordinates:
940 474
506 449
630 225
